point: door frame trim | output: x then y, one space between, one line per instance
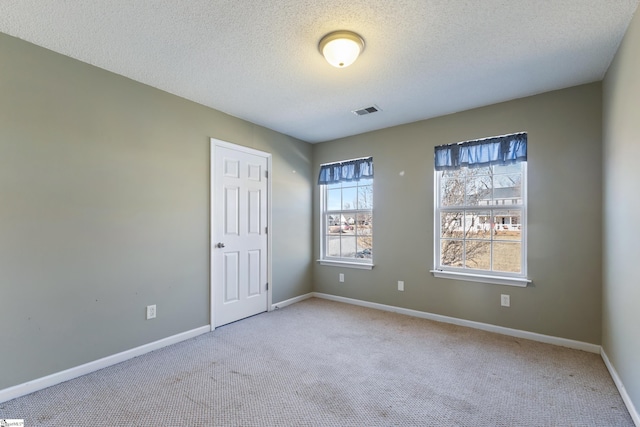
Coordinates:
220 143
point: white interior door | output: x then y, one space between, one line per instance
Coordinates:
239 243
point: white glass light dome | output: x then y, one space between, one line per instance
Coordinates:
341 48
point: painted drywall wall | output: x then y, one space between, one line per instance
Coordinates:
564 217
104 209
621 287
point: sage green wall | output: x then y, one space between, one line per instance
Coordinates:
104 209
564 216
621 288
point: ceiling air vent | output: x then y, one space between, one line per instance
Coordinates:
366 110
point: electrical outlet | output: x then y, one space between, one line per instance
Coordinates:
505 300
401 285
151 311
341 277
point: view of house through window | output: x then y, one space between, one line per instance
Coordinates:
480 217
349 219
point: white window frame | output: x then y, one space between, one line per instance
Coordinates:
358 263
476 275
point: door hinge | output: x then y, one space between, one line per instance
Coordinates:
266 174
266 230
267 285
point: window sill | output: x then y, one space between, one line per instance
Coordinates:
495 280
346 264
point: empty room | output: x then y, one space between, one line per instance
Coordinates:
292 213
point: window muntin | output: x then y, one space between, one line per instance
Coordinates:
480 214
347 221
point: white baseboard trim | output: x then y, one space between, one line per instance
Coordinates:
69 374
293 300
563 342
635 416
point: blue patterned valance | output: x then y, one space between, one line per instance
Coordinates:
501 150
351 170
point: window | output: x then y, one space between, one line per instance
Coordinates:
480 210
346 190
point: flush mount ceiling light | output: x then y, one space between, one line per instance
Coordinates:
341 48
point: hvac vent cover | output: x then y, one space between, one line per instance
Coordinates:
366 110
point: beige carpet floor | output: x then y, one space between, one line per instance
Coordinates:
322 363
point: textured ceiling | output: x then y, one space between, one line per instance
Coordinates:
258 60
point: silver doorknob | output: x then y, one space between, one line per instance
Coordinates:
220 245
